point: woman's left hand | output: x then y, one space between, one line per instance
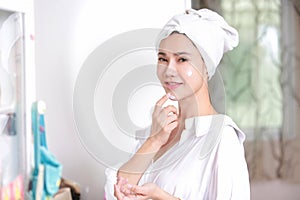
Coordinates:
122 190
147 191
135 192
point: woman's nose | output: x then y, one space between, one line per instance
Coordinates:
171 69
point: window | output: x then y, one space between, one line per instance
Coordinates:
252 71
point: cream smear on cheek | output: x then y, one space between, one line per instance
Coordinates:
189 73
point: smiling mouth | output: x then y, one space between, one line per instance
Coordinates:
172 85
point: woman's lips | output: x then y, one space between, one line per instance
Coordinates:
172 85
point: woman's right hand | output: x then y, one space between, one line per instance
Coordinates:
164 121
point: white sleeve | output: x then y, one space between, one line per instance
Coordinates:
111 179
231 179
111 172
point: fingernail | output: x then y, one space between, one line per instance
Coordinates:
170 113
129 186
170 96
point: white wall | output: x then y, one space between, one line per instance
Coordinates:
66 32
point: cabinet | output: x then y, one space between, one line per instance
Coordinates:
17 92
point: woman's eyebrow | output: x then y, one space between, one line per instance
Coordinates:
162 53
176 54
181 53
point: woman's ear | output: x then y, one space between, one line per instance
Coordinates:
205 73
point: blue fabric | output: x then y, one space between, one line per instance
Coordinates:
52 172
42 156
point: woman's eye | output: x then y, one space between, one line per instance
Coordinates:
162 60
182 60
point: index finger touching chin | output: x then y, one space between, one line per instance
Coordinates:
162 100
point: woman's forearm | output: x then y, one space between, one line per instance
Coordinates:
163 123
137 165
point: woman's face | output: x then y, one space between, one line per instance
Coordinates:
180 67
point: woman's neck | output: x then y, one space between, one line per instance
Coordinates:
198 104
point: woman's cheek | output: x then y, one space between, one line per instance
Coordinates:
159 72
189 73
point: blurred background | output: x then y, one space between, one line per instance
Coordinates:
261 89
261 78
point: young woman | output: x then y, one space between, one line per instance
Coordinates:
194 152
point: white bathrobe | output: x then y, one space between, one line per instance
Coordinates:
207 163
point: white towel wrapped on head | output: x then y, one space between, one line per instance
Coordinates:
209 32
